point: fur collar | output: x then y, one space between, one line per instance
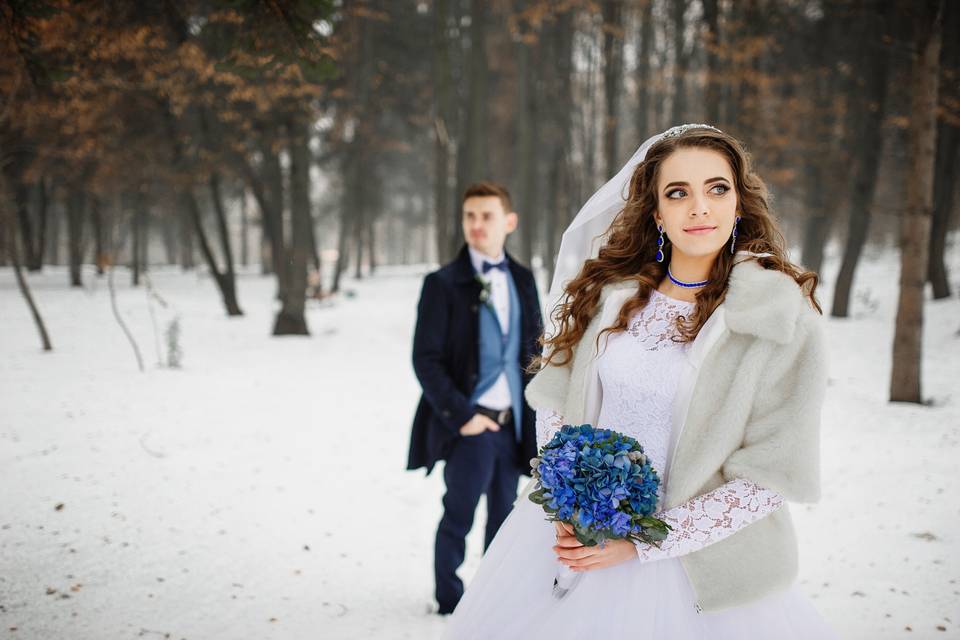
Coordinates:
761 302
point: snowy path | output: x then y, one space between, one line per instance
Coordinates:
259 492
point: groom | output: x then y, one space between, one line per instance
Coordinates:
478 322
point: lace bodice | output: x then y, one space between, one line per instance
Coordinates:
639 371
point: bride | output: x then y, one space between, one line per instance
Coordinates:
678 320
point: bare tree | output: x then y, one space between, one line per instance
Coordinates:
612 81
926 19
443 120
948 144
291 320
644 76
869 101
7 222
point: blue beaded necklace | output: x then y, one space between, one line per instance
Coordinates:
687 285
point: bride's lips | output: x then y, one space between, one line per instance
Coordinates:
700 230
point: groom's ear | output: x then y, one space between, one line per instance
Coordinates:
512 221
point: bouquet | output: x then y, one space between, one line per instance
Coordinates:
600 483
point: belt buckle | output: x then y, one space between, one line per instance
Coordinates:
502 416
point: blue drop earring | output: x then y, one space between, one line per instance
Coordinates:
733 237
660 243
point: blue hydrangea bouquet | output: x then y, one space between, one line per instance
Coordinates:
600 483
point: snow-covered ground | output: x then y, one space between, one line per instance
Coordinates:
259 491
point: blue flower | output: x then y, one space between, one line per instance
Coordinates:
599 481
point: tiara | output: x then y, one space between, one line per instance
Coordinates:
680 129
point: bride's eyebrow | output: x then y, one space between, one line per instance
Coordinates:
687 184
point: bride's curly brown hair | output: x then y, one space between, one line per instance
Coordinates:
631 246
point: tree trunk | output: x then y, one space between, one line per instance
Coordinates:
948 142
711 98
314 246
270 214
75 207
229 275
42 207
5 239
22 204
224 285
644 76
817 227
346 205
244 229
944 181
905 383
169 231
372 243
473 156
816 157
185 225
273 181
678 9
559 110
138 222
359 221
553 224
867 145
23 286
612 81
526 139
291 319
266 259
52 247
442 129
96 220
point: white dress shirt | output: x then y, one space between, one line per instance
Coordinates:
498 396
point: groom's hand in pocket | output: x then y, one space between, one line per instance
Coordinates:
477 425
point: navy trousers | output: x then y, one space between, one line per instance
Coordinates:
477 465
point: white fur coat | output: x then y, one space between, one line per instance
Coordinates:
748 405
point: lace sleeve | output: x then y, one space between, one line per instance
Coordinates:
710 518
548 423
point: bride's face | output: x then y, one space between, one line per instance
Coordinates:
696 201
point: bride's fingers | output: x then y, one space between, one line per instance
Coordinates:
574 553
596 561
568 541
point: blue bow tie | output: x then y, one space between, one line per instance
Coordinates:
502 265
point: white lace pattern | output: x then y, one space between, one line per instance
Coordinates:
548 423
710 518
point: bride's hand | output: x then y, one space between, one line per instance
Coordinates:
578 557
564 529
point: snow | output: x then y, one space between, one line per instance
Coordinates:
260 490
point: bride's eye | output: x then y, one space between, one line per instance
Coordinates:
722 186
670 193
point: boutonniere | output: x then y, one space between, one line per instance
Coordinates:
485 291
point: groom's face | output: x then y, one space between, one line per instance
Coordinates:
486 224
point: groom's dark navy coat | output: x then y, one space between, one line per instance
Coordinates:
446 358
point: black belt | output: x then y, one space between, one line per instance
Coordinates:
500 416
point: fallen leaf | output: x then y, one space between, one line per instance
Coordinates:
925 535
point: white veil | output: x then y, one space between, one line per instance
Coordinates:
584 236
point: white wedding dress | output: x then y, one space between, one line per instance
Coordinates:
511 595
